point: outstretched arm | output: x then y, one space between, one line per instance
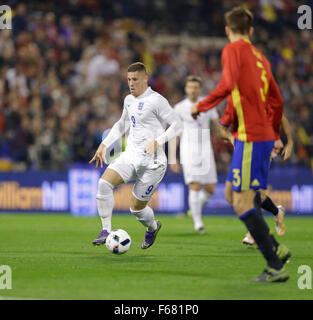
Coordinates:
119 128
230 75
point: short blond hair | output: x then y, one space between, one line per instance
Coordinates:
137 66
194 78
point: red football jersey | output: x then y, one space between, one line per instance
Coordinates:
248 80
229 118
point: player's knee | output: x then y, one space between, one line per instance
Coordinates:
243 201
194 186
209 188
239 204
105 189
112 177
228 197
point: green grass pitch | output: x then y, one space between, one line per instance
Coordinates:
51 257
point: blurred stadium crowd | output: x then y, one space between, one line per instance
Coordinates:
63 70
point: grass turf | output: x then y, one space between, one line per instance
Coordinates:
51 257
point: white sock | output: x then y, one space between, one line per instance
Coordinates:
195 207
146 217
204 197
105 203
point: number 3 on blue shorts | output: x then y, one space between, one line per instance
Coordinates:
236 177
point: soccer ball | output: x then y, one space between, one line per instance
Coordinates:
118 241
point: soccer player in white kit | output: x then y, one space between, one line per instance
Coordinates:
196 153
145 114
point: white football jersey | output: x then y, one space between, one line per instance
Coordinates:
195 141
183 109
147 116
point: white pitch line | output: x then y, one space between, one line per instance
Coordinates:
16 298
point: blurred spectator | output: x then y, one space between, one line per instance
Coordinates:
19 21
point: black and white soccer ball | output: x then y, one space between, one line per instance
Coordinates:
118 241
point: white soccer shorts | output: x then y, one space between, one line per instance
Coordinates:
202 171
146 178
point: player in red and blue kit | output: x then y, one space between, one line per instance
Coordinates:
229 120
252 91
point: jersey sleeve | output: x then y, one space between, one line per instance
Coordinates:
167 114
228 116
230 75
164 111
118 129
275 103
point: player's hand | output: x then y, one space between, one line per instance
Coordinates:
151 147
99 156
194 111
231 139
175 167
278 145
286 153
